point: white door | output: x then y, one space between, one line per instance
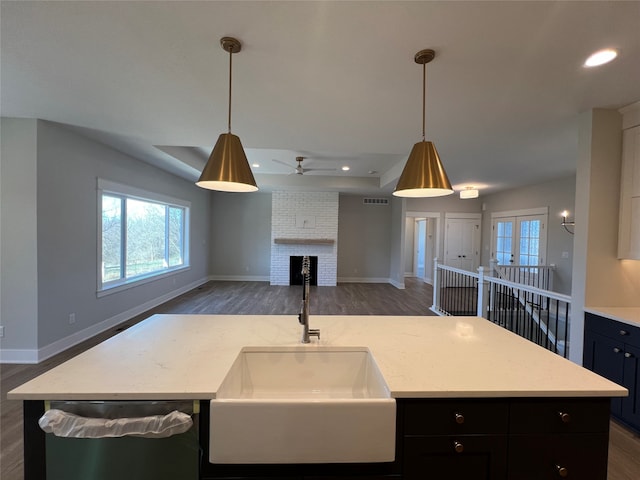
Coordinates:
430 252
462 242
420 247
520 240
504 240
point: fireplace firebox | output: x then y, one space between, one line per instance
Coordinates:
295 270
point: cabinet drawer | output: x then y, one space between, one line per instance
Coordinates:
542 457
613 329
560 416
456 457
438 417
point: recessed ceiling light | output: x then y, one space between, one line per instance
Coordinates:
255 165
601 57
345 169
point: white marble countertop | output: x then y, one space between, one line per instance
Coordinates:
187 357
628 315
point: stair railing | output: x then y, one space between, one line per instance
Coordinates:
540 315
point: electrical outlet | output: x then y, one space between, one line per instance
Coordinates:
1 331
72 318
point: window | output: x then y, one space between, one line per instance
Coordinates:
142 235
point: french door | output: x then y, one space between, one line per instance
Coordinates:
520 239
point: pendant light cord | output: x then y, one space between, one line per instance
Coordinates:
424 97
230 70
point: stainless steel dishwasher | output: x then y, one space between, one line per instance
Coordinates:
71 457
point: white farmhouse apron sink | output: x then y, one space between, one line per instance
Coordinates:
303 404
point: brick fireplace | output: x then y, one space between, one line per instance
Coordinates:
304 223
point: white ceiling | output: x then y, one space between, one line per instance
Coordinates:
332 81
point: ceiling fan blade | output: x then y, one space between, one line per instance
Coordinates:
283 163
320 169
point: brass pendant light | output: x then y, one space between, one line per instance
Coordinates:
423 174
227 169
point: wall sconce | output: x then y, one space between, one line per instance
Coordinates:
565 223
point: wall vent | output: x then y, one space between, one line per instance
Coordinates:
375 201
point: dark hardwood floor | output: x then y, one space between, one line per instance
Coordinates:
260 298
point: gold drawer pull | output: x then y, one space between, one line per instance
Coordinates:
459 418
562 471
564 417
458 447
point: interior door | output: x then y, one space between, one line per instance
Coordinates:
462 239
420 247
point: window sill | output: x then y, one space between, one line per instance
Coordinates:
121 287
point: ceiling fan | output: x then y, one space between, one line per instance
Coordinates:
300 170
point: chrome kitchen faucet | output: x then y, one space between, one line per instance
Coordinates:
303 317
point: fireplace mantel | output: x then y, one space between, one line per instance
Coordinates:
304 241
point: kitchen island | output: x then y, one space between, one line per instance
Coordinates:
528 412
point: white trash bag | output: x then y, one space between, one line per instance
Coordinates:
69 425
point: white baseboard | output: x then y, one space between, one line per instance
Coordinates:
398 285
363 280
48 351
240 278
15 355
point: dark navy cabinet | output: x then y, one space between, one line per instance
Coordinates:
472 438
612 349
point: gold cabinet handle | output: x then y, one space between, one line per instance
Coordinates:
459 418
564 417
563 472
458 447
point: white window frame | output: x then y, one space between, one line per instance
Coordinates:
107 187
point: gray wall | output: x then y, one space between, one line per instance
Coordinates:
364 240
68 166
396 252
240 236
557 195
18 247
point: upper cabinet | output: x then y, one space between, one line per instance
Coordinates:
629 227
